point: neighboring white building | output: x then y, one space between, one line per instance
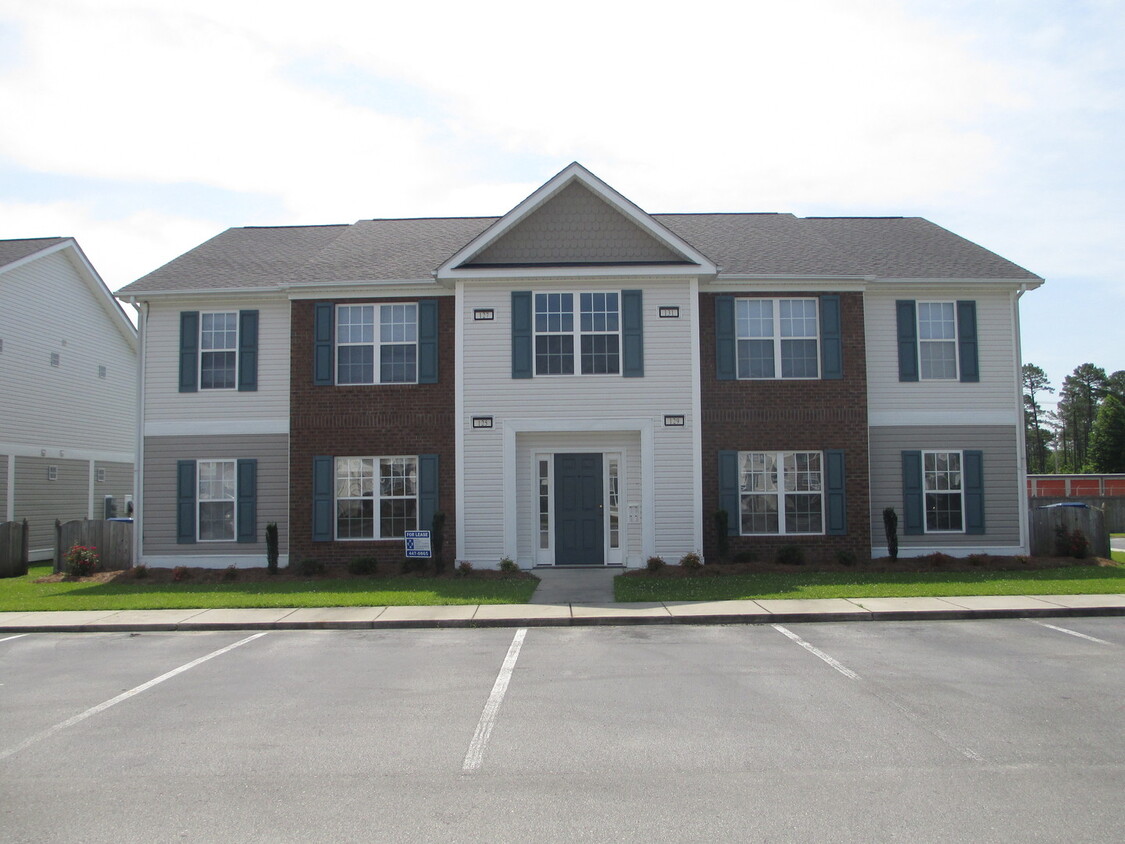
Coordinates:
68 377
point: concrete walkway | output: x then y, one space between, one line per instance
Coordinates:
575 585
568 613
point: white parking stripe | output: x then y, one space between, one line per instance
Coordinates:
9 638
102 707
475 755
1070 632
884 696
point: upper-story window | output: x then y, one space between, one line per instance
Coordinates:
218 351
937 341
597 329
777 338
384 333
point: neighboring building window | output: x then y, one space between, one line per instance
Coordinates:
102 371
52 473
218 351
781 492
101 476
941 478
55 359
937 341
376 497
393 341
777 338
215 500
598 332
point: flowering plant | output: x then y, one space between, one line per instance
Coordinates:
81 560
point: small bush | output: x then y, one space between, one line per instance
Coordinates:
939 559
1062 542
691 561
140 572
1079 545
790 555
181 573
890 528
1022 560
978 559
464 568
310 567
362 565
655 564
414 565
846 558
81 560
722 532
271 547
509 566
230 573
746 557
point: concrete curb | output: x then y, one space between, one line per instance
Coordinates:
553 615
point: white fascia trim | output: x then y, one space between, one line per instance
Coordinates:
1026 283
63 452
353 289
951 550
133 297
696 428
910 418
638 425
571 173
215 561
459 413
740 284
214 427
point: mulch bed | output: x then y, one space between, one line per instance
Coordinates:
912 565
261 575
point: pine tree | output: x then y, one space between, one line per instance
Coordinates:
1107 439
1079 397
1035 381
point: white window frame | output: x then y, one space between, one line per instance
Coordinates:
375 496
200 500
576 333
780 491
376 343
777 337
225 350
927 491
954 342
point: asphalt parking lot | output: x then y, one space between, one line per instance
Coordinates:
1001 730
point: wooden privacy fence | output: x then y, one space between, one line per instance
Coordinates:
1112 506
113 541
1046 521
13 549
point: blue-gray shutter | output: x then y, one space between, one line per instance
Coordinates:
907 314
324 325
522 357
632 334
973 477
428 341
247 351
189 351
185 501
831 342
247 500
912 498
427 490
728 490
967 340
726 359
834 487
323 483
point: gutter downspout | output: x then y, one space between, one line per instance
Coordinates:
1021 428
139 459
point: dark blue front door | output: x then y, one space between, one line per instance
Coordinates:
579 518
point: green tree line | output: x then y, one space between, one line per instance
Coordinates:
1086 430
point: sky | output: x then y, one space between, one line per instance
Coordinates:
144 127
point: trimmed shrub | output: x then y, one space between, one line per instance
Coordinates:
654 564
1079 545
271 547
437 541
978 559
181 573
414 565
509 566
691 561
310 567
81 560
846 558
230 572
746 556
790 555
464 568
890 528
140 572
362 565
722 526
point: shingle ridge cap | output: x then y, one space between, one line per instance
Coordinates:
411 219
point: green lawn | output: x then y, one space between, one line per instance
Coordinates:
21 594
1072 580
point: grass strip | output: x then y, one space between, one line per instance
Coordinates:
1069 580
22 594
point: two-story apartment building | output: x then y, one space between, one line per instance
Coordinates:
580 382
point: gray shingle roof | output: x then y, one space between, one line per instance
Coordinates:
15 250
741 244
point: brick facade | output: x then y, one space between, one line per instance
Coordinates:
786 415
380 420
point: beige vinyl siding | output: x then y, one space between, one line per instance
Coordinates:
41 501
1001 481
45 308
159 516
163 400
118 483
578 400
996 343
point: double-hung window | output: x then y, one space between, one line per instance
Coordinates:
218 351
781 492
215 500
944 492
937 341
376 497
377 344
598 332
777 338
